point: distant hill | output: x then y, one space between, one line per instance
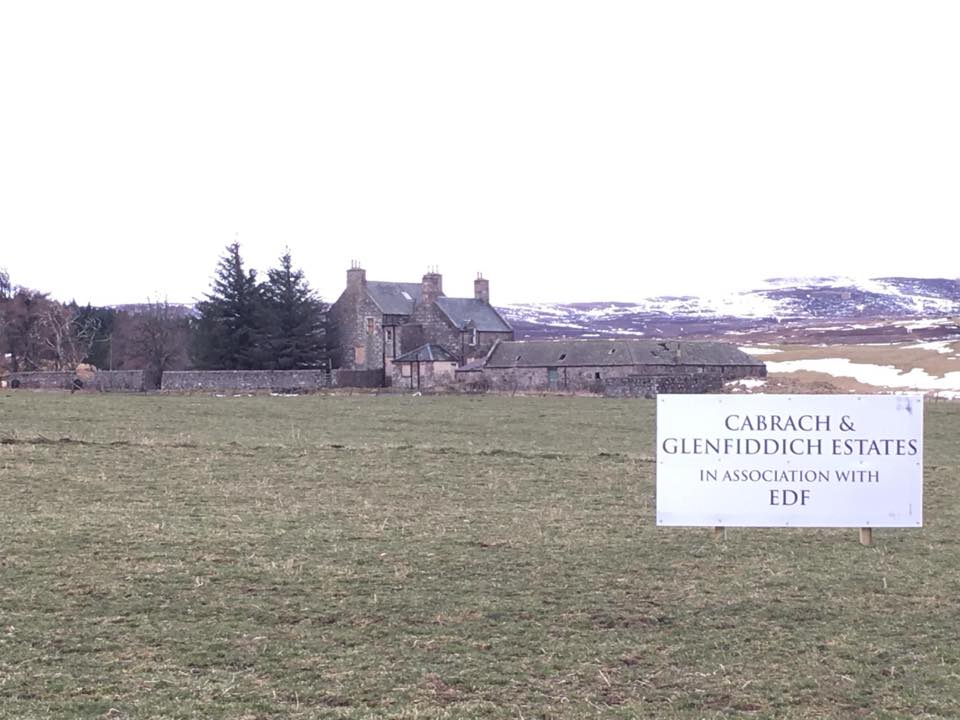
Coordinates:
786 308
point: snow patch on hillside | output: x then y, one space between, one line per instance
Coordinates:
878 375
920 303
760 350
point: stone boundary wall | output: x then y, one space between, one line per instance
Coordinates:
616 381
103 380
40 380
122 381
653 385
292 381
273 380
358 378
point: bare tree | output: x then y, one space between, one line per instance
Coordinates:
160 339
67 336
22 334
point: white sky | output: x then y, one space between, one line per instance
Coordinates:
569 151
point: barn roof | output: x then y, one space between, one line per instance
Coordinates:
579 353
394 298
464 312
430 352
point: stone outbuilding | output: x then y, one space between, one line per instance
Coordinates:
425 368
626 367
374 322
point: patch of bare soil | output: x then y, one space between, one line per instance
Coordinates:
805 382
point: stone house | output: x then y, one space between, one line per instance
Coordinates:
617 367
374 322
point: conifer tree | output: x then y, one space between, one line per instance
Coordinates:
228 334
295 319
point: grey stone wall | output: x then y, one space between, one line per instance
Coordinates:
123 381
653 385
410 337
356 378
41 380
423 376
627 380
472 381
435 328
297 381
735 372
102 380
245 380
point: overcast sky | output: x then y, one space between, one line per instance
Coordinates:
568 151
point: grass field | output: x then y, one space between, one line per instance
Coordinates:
449 557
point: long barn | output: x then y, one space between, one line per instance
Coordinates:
617 367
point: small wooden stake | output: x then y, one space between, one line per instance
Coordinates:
720 533
866 536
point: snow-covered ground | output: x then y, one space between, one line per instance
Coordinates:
760 350
749 383
885 376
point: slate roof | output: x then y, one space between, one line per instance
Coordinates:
475 365
394 298
593 353
464 311
426 353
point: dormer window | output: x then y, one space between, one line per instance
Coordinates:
473 336
563 356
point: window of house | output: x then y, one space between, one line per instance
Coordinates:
473 336
405 369
359 355
596 376
563 356
371 325
388 334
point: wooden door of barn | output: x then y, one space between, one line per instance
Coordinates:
553 378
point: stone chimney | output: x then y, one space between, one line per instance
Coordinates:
356 275
431 287
481 288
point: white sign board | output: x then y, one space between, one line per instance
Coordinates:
790 460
